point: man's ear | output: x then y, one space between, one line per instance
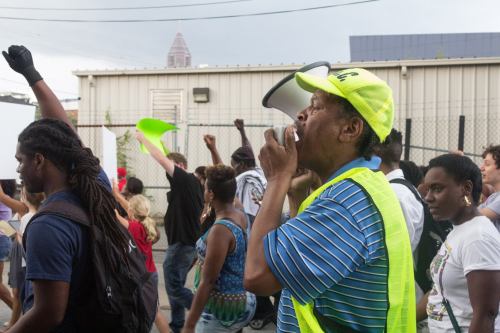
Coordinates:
351 130
39 161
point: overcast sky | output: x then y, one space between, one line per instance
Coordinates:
299 37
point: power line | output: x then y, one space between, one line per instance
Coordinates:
25 85
68 47
185 18
123 8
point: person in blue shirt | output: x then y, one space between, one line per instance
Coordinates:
332 256
53 160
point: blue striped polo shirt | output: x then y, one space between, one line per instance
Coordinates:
333 253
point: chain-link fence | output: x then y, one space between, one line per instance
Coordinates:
426 138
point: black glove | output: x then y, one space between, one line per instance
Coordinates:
20 60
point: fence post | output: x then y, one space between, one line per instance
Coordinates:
461 133
407 139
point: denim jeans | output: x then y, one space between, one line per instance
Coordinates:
5 247
178 261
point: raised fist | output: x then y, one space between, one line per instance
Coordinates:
209 141
20 60
240 124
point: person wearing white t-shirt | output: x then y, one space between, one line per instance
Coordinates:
466 271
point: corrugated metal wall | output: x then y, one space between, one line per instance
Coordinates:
433 95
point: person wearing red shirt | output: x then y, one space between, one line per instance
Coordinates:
143 229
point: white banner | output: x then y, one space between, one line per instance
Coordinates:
13 119
109 162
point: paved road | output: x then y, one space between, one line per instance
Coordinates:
158 255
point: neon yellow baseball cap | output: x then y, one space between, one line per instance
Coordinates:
369 95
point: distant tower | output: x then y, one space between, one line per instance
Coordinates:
179 55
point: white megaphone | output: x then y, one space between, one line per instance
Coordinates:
288 97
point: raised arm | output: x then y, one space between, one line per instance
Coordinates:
210 142
118 196
156 153
21 61
16 205
123 221
240 126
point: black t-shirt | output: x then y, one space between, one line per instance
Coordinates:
185 203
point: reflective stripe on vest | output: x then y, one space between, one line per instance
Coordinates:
401 315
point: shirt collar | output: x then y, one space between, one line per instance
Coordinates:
360 162
395 174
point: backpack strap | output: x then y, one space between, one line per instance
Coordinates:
62 209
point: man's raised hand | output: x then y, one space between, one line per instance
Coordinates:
20 60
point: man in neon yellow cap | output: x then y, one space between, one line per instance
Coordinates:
344 262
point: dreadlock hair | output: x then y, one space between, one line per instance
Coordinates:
140 208
369 140
58 143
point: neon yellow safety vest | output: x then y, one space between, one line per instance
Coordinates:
401 316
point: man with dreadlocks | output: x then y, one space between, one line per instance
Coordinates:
53 160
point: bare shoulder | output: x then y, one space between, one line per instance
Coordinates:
240 218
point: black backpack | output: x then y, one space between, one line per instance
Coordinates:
110 301
433 235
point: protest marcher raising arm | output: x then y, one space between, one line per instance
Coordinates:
21 61
47 151
182 227
156 153
240 126
51 297
210 142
